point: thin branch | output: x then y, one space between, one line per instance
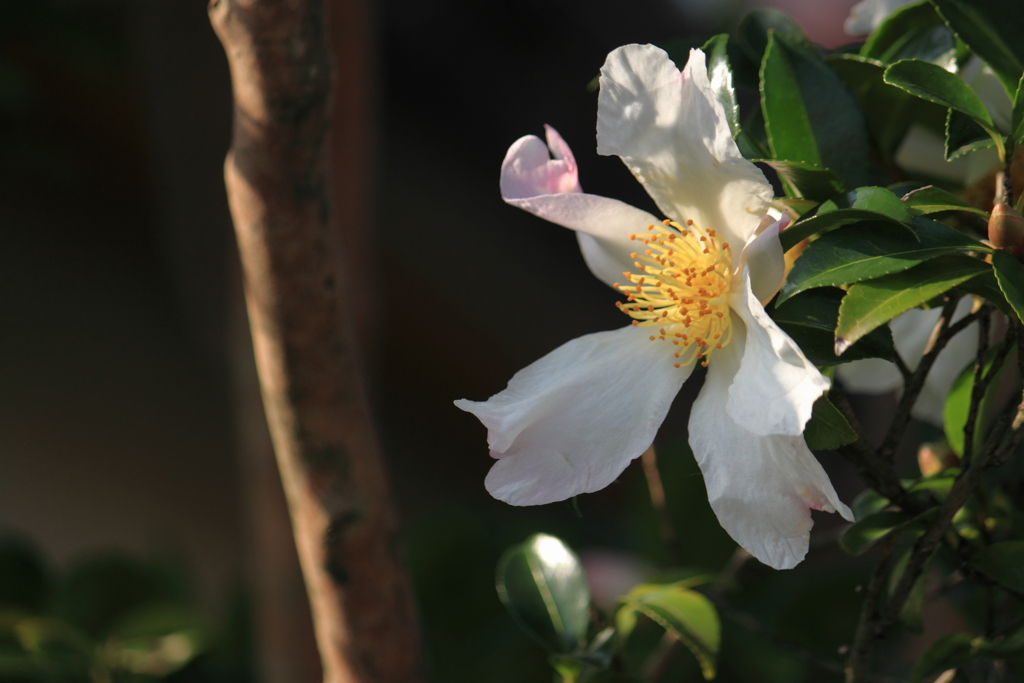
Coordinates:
878 473
902 366
649 461
943 332
859 658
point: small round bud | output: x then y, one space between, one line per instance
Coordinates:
1006 229
936 456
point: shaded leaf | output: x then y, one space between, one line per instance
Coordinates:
102 590
865 532
862 204
809 114
810 320
542 585
1017 117
871 250
888 110
935 84
958 402
910 615
931 199
984 39
684 613
828 428
1003 563
875 302
948 652
805 180
1009 274
915 31
720 75
938 484
753 32
868 502
985 286
964 136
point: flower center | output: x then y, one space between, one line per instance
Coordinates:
682 289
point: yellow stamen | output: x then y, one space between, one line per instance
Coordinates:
684 291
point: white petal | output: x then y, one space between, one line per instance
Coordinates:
571 422
671 131
762 488
608 222
528 169
776 386
766 260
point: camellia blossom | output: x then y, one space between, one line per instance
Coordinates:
693 286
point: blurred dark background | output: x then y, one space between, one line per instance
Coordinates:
129 413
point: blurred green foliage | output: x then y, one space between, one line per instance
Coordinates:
112 619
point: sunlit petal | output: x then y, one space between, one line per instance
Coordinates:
671 131
776 386
571 422
762 488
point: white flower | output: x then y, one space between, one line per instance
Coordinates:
571 422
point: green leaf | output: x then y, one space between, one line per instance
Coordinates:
964 136
862 204
1010 277
935 84
948 652
827 428
871 250
805 180
983 38
684 613
790 134
875 302
542 585
1003 563
985 286
101 591
138 641
1011 644
938 484
910 615
56 645
931 199
753 32
915 31
809 114
868 502
720 75
888 110
810 319
1017 117
867 531
958 402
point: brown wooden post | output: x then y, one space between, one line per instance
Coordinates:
299 305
